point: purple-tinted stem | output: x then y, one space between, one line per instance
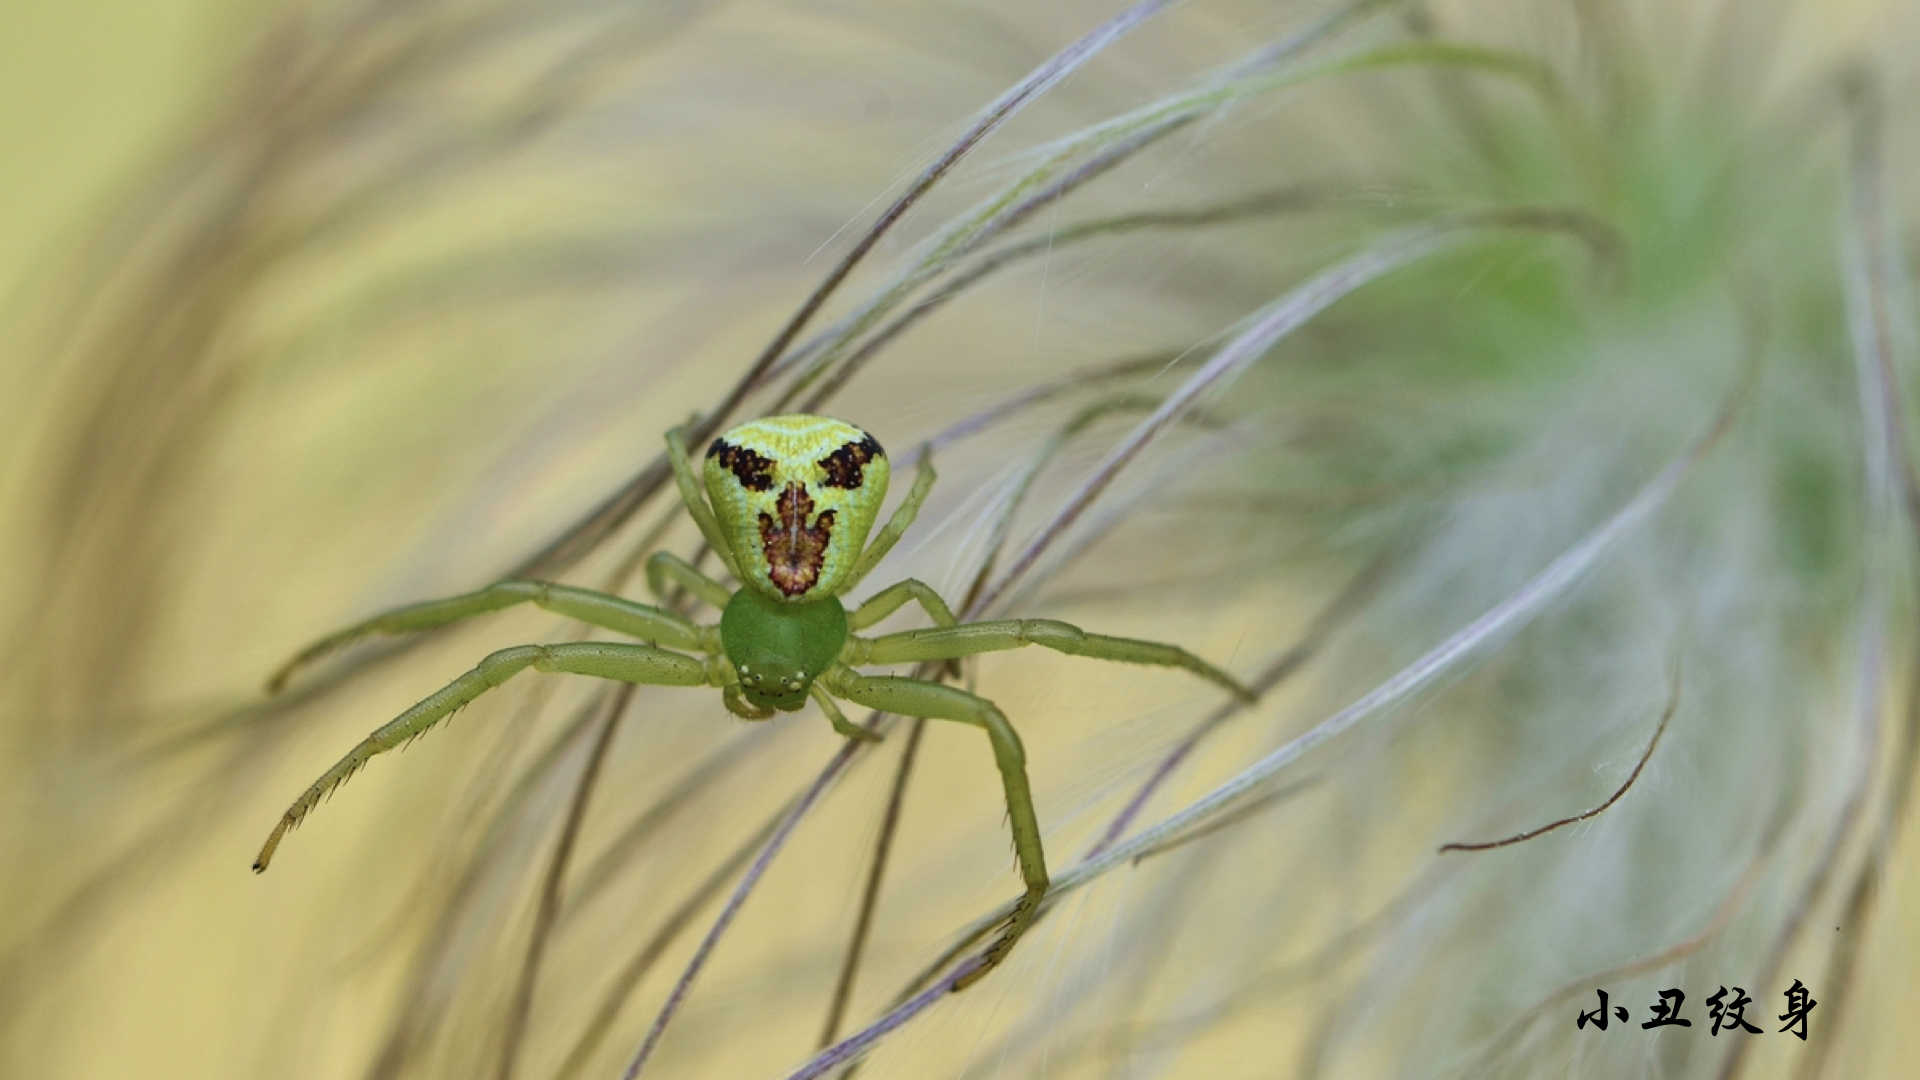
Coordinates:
734 903
1118 827
1037 82
1088 170
1279 669
1282 666
611 513
854 1045
1268 326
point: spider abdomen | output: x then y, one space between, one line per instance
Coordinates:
796 497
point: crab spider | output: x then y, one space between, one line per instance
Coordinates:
787 506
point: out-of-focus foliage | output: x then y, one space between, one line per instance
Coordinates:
1487 380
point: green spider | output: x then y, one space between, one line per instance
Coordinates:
792 501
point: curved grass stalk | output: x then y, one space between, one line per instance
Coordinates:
1715 924
1659 729
1501 621
1266 328
612 513
870 892
642 961
553 882
822 354
1872 275
678 996
1026 400
597 875
1022 486
1344 606
1070 164
1285 978
1098 148
833 380
1117 510
863 921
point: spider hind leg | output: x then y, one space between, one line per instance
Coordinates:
935 701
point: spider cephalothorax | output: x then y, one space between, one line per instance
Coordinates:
777 650
787 505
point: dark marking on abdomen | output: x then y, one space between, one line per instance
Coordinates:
846 467
754 472
795 550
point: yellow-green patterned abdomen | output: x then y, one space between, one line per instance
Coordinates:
796 497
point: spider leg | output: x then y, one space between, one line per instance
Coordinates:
896 525
621 661
934 701
739 706
968 639
839 719
695 497
593 608
893 597
664 568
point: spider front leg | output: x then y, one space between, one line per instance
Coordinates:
664 569
893 597
695 497
838 719
593 608
968 639
620 661
890 599
934 701
896 525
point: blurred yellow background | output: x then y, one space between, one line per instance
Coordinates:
92 92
